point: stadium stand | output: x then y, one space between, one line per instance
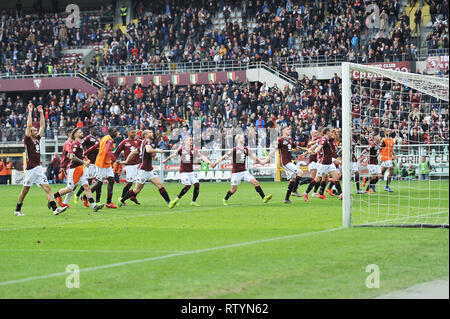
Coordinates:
297 34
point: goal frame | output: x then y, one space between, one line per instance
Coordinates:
347 128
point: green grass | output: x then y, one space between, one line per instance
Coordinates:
205 254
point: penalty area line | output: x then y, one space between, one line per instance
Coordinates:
185 253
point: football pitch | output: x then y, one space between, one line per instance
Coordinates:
245 250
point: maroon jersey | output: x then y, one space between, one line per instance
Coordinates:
33 151
87 143
65 154
373 149
333 147
239 157
77 150
187 160
128 146
285 145
313 157
145 158
326 153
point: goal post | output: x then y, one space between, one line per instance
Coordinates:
410 109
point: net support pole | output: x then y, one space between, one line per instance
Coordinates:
346 145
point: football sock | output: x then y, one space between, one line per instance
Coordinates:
289 190
110 190
126 189
316 187
338 187
323 185
310 186
128 195
260 191
53 205
91 201
164 194
228 195
184 191
196 191
80 191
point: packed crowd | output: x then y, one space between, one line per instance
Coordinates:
335 35
333 30
32 43
250 106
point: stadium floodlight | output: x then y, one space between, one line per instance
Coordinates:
380 106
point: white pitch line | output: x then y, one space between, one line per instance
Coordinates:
94 250
138 261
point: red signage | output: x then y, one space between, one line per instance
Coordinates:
437 63
396 66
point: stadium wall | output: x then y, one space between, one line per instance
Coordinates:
45 84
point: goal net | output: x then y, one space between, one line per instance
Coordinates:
395 148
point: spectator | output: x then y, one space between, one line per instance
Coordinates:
424 168
55 164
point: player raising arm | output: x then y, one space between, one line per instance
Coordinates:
239 171
34 174
187 175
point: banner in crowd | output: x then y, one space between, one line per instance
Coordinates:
437 63
403 66
179 79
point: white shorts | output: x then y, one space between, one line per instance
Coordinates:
131 173
374 169
91 171
103 172
291 170
35 176
83 179
143 176
355 168
326 169
313 166
236 178
188 178
387 164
